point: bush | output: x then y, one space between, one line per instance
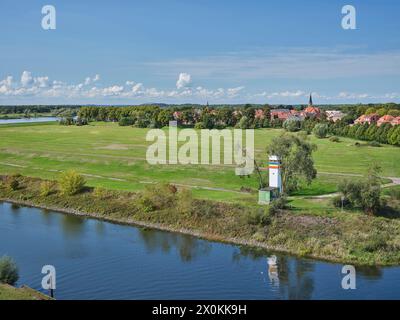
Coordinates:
46 187
8 270
100 193
334 139
126 121
337 202
320 130
199 125
394 193
12 182
277 205
71 183
374 144
185 202
292 125
158 197
259 217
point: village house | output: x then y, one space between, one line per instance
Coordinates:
334 115
396 121
385 119
367 118
259 114
281 114
311 111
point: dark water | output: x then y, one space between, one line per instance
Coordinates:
100 260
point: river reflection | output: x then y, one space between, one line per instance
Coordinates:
189 247
100 260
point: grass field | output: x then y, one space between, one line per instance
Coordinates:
114 157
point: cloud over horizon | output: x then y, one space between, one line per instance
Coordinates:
40 88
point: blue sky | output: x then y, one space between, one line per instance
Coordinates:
182 51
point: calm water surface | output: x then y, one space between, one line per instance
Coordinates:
28 120
100 260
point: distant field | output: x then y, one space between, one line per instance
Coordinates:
114 157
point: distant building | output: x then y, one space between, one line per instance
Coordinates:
281 114
334 115
177 115
385 119
396 121
259 114
367 118
311 111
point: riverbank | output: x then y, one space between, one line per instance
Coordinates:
348 237
8 292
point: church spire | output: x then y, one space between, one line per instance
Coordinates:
310 100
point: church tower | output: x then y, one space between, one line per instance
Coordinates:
310 104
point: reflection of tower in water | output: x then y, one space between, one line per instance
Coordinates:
273 271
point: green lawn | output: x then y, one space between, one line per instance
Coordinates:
114 157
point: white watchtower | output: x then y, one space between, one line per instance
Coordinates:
274 167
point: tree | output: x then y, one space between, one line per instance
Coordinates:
394 113
164 117
296 160
320 130
370 111
364 193
381 112
8 271
292 125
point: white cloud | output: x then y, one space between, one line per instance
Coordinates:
26 78
89 80
184 80
42 82
233 92
40 87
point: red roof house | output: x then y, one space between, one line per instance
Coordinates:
385 119
367 118
396 121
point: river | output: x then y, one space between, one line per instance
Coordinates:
28 120
100 260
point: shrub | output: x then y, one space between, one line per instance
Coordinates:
320 130
8 270
185 202
292 125
12 182
126 121
277 205
334 139
259 217
374 144
199 125
71 183
100 193
337 202
157 197
394 193
46 188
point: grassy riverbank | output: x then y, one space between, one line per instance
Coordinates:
348 236
8 292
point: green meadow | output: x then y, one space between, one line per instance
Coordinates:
114 157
